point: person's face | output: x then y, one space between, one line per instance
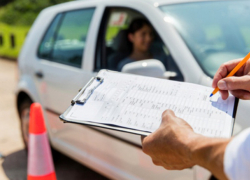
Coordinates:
142 38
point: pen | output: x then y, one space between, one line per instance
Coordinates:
233 72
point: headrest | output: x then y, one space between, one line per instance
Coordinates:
120 42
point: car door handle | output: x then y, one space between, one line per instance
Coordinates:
39 74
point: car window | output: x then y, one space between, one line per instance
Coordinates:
213 38
67 43
117 46
46 45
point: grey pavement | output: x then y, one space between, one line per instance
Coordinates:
13 157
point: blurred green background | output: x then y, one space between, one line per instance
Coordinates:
16 18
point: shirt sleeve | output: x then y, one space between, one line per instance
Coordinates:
237 157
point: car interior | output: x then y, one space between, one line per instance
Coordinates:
114 45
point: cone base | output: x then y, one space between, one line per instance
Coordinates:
51 176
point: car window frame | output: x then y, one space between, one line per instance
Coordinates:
100 44
101 51
55 34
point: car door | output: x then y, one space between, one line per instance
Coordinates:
59 70
110 48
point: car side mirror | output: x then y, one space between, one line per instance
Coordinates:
151 67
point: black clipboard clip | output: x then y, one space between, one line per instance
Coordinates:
81 91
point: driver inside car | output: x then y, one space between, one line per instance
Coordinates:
140 37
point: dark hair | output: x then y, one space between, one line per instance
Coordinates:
137 24
134 26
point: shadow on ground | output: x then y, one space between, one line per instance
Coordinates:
15 168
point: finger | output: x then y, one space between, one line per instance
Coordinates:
235 83
142 138
241 94
168 167
224 70
145 148
147 143
168 112
224 94
183 166
167 115
157 163
246 69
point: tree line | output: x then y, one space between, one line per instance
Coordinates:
23 12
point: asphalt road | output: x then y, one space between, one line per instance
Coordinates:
14 165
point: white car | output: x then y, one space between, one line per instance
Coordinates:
69 43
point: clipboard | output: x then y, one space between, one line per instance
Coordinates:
88 123
99 80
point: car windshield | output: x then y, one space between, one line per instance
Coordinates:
215 31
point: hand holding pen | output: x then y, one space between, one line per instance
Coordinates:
238 85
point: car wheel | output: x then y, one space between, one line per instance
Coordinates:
24 113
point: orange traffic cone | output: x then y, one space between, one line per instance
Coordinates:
40 163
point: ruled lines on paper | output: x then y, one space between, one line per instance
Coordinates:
138 102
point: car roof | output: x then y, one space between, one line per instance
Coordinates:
159 2
155 3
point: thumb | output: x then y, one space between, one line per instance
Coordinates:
167 116
234 83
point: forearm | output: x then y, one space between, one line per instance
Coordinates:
209 153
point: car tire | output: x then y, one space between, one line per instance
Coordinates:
24 111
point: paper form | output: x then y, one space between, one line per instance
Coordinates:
137 102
